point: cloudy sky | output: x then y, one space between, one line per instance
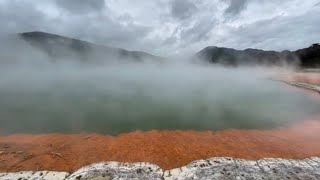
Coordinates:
170 27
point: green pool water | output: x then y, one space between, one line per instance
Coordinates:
118 100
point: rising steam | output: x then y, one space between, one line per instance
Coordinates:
39 95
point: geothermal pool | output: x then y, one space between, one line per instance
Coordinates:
114 100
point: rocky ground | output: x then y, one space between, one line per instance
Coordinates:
214 168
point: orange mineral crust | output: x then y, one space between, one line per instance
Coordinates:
168 149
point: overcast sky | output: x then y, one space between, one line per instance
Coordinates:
169 27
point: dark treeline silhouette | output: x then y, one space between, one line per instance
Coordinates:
305 58
309 57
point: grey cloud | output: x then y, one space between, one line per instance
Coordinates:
104 30
169 26
278 33
236 6
182 9
19 17
101 29
81 6
169 41
199 31
23 16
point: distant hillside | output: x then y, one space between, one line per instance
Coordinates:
308 57
59 47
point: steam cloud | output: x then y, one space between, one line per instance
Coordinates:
37 95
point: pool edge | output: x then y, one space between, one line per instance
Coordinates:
213 168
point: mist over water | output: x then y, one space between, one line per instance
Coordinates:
124 98
38 96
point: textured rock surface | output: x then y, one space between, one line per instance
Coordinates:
228 168
214 168
116 170
29 175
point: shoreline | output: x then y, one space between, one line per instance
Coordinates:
167 149
308 80
213 168
305 86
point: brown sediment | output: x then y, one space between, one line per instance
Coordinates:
168 149
302 77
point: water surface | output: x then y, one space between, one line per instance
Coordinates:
117 99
